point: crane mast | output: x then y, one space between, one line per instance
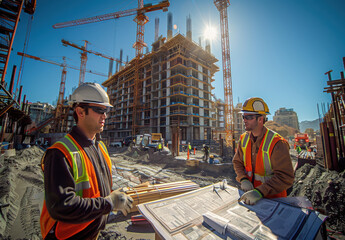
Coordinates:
63 75
83 57
59 114
62 83
141 19
227 79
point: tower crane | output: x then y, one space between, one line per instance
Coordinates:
58 111
141 19
227 79
84 57
63 75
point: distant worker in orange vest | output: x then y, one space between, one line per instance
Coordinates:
262 161
77 173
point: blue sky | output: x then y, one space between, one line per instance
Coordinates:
280 49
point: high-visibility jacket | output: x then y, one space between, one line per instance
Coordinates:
85 181
159 146
263 168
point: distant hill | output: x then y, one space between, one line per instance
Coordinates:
284 130
309 124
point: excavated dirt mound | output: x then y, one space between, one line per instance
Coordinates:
283 129
326 190
21 188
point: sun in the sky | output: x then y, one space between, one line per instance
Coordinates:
210 32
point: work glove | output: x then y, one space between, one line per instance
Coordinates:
246 185
120 201
251 197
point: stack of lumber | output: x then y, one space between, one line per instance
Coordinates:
146 193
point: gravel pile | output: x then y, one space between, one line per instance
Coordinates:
326 190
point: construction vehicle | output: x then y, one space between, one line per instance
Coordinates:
151 140
156 137
301 140
306 155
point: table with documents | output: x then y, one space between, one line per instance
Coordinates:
213 212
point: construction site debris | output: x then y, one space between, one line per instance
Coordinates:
326 191
21 188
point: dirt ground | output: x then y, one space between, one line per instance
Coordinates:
21 189
326 191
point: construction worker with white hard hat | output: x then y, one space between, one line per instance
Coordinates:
77 173
262 161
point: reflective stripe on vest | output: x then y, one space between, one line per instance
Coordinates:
79 170
244 144
86 184
269 136
103 146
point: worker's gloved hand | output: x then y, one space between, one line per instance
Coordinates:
246 185
251 197
120 201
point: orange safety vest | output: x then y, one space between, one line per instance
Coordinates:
85 181
263 168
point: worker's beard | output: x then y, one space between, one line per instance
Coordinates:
251 126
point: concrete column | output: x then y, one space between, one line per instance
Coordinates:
168 91
167 134
202 136
189 72
201 112
189 134
189 108
200 84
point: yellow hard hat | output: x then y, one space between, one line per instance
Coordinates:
255 105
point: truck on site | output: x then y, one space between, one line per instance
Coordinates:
301 140
151 140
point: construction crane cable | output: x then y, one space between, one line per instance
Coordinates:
141 19
22 61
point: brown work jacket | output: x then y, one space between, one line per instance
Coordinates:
283 173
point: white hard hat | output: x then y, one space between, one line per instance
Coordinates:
90 93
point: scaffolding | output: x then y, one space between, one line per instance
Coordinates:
175 84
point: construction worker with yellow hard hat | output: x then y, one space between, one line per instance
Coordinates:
262 161
78 173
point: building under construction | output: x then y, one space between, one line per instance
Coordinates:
174 91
